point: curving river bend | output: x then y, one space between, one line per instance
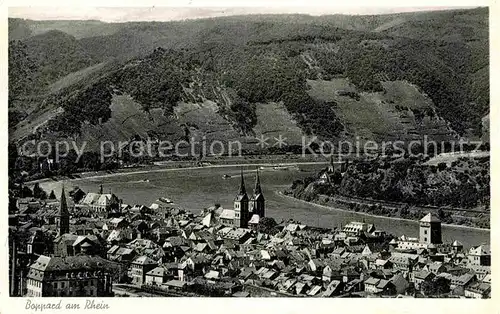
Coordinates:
195 189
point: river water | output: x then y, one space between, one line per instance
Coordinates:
195 189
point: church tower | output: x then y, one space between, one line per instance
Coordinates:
241 215
331 166
430 229
62 219
258 206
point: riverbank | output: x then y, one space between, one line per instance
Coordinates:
280 193
202 188
166 168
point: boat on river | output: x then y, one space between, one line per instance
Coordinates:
165 200
279 167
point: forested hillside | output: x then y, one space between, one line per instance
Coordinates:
63 76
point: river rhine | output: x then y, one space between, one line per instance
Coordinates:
195 189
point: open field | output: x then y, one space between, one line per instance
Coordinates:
273 120
388 115
448 158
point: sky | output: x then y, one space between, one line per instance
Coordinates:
124 14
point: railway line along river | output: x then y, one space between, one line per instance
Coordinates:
198 188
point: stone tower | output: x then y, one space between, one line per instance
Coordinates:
430 229
258 205
62 219
241 214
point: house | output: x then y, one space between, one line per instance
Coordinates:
88 245
371 285
379 286
63 244
383 264
478 290
300 288
140 210
238 235
366 251
386 287
253 223
227 217
314 290
157 276
356 228
212 275
120 254
147 247
487 278
209 220
140 267
349 274
479 271
436 268
400 283
37 243
480 255
403 261
140 226
121 235
28 205
331 272
115 223
459 283
100 202
197 263
176 285
70 276
422 276
324 178
316 265
333 289
355 285
457 246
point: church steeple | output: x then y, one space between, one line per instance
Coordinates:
242 191
241 205
63 204
63 215
258 206
257 190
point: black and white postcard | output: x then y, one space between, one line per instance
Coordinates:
247 152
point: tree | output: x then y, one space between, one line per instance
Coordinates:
441 214
442 166
441 285
26 192
13 155
12 205
38 192
52 195
427 288
267 225
337 177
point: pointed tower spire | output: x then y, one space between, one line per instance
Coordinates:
258 206
258 189
242 185
241 206
63 215
100 189
63 205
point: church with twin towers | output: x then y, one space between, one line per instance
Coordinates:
247 211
